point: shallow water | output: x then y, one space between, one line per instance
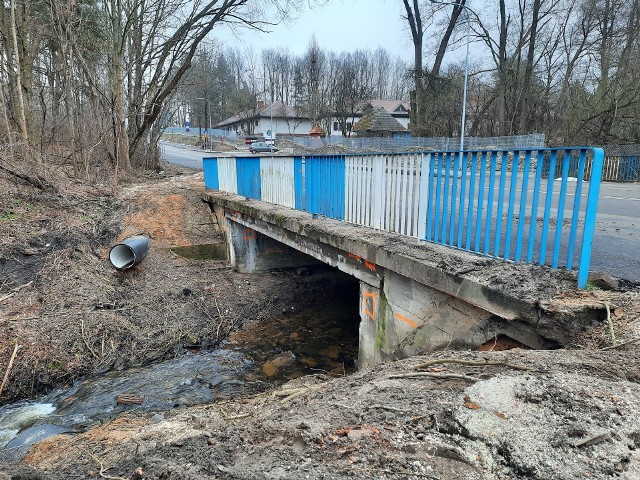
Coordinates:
319 339
207 251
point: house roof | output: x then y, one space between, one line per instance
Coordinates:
393 107
378 119
317 131
278 109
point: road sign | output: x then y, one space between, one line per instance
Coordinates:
269 133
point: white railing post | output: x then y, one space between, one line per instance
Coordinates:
423 202
378 191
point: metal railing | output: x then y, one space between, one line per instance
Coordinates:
521 205
534 140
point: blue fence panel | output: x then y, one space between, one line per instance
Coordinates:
298 181
629 169
248 174
325 185
506 212
210 167
510 204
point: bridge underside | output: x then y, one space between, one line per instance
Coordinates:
415 297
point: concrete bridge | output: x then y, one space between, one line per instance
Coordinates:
415 296
450 248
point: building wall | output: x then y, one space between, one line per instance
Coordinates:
282 126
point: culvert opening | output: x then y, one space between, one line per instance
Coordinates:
316 334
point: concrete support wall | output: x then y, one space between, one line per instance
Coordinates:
408 318
251 251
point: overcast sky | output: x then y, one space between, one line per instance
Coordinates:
339 25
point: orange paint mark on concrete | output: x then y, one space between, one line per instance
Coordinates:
370 266
249 234
369 304
406 320
354 256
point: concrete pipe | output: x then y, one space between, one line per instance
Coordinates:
129 252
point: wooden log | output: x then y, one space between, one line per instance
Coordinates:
128 399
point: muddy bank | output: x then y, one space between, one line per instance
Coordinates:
569 415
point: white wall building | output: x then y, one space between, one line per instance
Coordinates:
278 117
285 121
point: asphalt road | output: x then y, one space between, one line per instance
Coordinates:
616 247
183 155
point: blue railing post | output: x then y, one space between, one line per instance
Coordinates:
590 217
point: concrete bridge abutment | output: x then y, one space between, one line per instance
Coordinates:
411 299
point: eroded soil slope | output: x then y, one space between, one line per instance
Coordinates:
71 314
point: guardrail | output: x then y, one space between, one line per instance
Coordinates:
514 205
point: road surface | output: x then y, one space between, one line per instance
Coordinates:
616 247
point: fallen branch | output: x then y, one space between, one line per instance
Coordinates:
483 363
102 468
390 409
215 301
14 291
6 374
628 342
610 322
593 440
7 297
28 284
37 181
436 375
287 393
84 340
128 399
226 416
294 393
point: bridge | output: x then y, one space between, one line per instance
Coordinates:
450 249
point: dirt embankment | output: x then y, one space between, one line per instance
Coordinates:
72 314
568 414
533 414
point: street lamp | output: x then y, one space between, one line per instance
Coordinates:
466 70
207 113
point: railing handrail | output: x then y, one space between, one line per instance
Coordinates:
478 201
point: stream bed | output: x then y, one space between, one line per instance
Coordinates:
318 339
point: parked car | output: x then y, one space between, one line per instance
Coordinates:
261 147
250 140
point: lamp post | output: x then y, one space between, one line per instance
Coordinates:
466 71
207 113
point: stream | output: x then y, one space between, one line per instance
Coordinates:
318 339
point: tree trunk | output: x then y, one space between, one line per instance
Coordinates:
528 73
502 71
417 106
22 119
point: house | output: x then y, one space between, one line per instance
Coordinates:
377 122
285 120
278 117
398 109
